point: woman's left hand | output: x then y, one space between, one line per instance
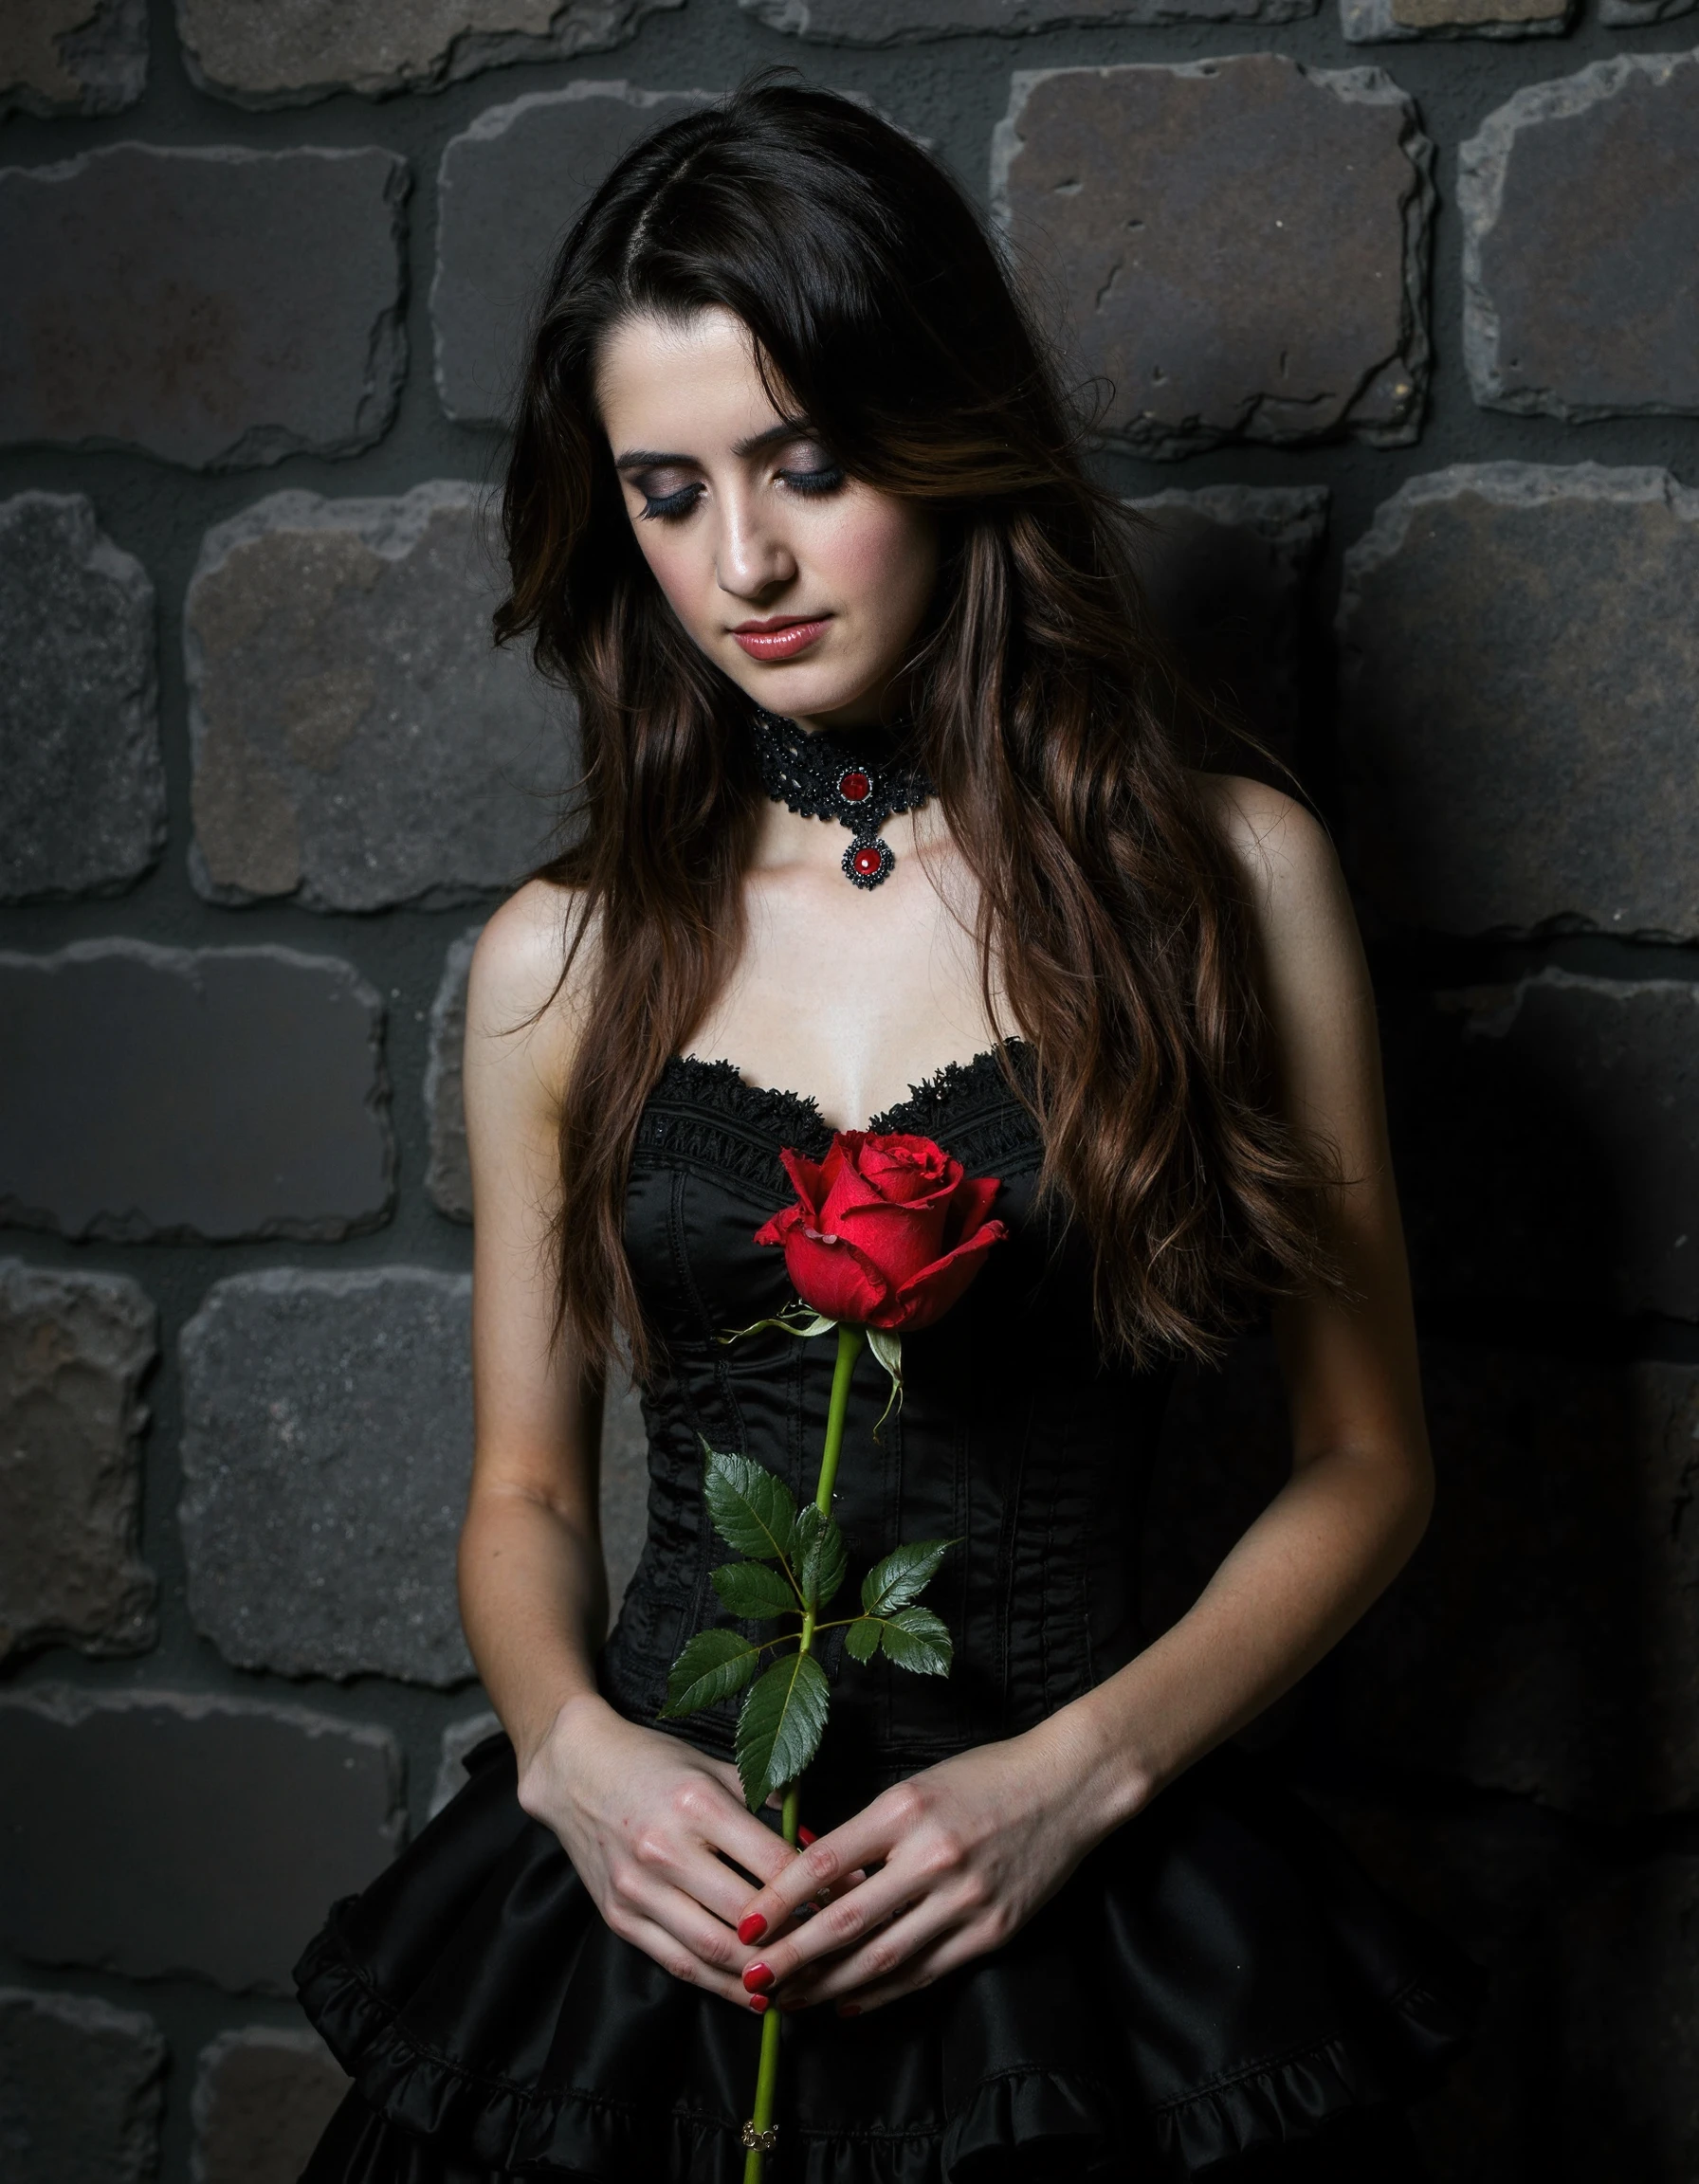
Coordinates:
967 1851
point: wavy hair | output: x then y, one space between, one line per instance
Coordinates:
1115 913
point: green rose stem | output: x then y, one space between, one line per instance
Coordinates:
850 1339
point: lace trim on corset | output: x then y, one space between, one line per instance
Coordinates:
703 1113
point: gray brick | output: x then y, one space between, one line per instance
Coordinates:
1224 570
1631 14
73 1350
327 1443
292 51
906 21
160 1833
262 2095
159 297
80 2091
251 1101
625 1486
1519 650
357 738
1544 1638
448 1178
1385 22
1239 245
82 788
1580 243
459 1739
508 189
1547 1140
72 56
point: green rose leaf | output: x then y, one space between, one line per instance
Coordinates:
753 1512
713 1666
903 1575
862 1637
916 1638
818 1553
779 1728
752 1590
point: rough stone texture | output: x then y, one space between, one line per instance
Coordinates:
1631 14
459 1739
73 1350
316 1406
1519 658
906 21
160 1833
1224 570
1544 1637
1238 245
508 188
1543 1640
216 306
1580 243
288 52
357 738
1384 21
262 2095
80 2091
448 1178
72 56
81 788
250 1097
1547 1141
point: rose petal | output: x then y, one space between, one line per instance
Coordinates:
834 1279
908 1170
928 1295
775 1231
807 1177
973 1199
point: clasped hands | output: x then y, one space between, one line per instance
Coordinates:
936 1870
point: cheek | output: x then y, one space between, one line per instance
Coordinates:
885 553
681 569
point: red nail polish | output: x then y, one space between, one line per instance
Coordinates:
752 1928
805 1836
757 1978
758 2004
849 2008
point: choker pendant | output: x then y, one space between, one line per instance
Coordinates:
827 776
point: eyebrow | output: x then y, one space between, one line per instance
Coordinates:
653 459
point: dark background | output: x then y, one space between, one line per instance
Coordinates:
248 816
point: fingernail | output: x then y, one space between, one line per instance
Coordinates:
758 2004
757 1978
849 2008
805 1836
752 1928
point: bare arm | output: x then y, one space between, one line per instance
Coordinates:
973 1846
649 1822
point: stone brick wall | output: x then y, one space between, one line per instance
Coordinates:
1395 305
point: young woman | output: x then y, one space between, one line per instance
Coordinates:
795 510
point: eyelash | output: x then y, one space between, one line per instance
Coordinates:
673 507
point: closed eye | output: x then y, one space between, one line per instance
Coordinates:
668 507
826 478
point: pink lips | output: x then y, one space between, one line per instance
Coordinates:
779 640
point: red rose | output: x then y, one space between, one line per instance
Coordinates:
886 1231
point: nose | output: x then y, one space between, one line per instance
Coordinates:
753 557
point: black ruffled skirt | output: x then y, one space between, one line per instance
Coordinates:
1218 1980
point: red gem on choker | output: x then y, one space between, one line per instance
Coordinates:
867 862
855 787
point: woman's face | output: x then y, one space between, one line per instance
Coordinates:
805 585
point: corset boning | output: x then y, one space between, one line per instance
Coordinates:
1013 1437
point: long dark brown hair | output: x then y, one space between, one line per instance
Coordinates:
1113 911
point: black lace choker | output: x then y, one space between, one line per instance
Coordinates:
826 776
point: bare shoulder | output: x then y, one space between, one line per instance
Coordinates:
518 1000
1283 849
1312 954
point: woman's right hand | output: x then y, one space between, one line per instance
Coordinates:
647 1822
